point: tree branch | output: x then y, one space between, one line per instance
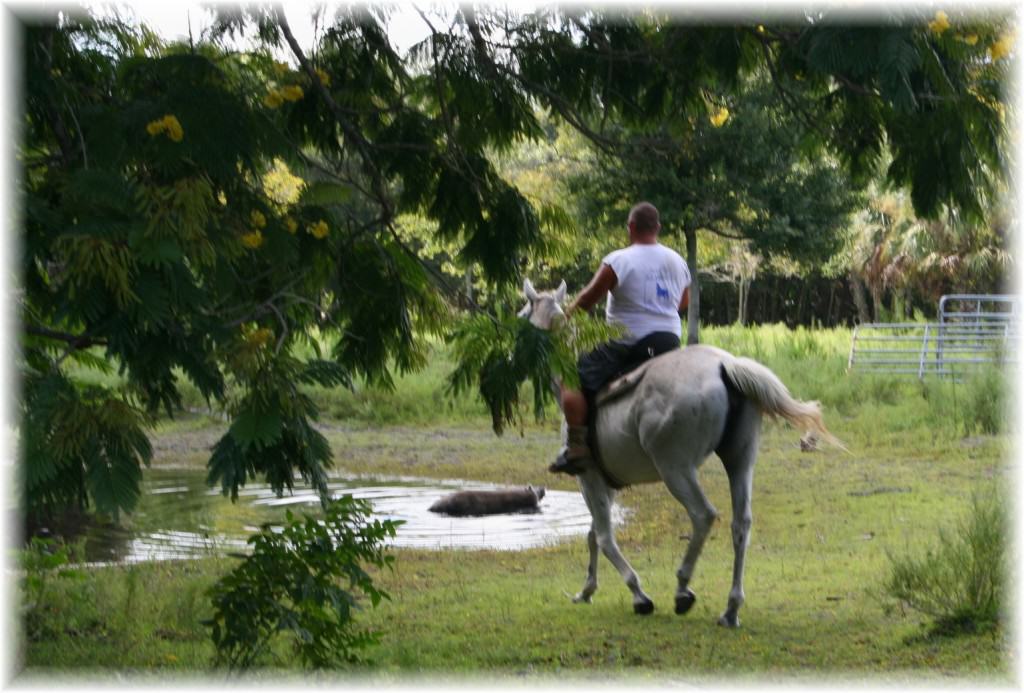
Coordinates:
74 341
351 132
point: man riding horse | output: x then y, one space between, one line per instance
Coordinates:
671 415
647 285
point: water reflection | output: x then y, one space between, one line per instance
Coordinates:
180 517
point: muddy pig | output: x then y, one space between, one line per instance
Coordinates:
463 503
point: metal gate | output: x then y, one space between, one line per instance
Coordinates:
974 330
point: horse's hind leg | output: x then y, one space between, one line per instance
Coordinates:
598 497
738 457
590 586
681 480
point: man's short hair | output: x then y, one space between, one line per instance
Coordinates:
646 217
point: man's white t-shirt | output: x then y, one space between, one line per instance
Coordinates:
651 281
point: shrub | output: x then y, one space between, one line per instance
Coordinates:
302 580
985 402
42 560
960 583
976 404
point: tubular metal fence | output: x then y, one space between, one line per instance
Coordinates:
974 330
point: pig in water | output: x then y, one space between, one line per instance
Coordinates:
463 503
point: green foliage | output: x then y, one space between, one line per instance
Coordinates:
938 102
975 403
961 581
80 444
303 580
41 560
271 434
986 402
745 179
499 355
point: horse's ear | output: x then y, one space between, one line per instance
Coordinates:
531 293
560 293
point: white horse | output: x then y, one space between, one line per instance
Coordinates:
678 408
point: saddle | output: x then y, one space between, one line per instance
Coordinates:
623 384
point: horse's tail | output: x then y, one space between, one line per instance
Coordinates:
758 383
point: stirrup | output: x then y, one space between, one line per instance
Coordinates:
571 466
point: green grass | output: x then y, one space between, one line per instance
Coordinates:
824 524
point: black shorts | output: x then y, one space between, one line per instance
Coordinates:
608 361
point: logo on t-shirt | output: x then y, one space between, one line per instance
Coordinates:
662 292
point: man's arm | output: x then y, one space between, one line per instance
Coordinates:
604 281
685 300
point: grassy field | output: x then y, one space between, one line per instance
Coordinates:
823 524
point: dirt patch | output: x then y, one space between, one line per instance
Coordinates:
881 490
174 448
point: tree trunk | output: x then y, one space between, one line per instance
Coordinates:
744 296
693 312
772 315
739 302
800 305
857 289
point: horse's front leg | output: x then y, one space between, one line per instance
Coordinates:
598 497
590 586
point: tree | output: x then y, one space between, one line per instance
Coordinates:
151 233
915 261
737 173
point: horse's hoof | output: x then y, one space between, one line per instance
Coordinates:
728 620
582 599
643 608
685 602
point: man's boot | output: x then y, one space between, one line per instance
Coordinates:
576 456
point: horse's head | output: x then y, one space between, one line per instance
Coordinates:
544 309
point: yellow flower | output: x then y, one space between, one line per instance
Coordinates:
319 229
253 239
1001 48
168 124
273 99
292 92
174 130
222 198
257 219
760 28
261 336
281 185
280 68
325 79
970 40
291 224
939 24
718 120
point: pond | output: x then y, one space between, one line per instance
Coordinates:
179 516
